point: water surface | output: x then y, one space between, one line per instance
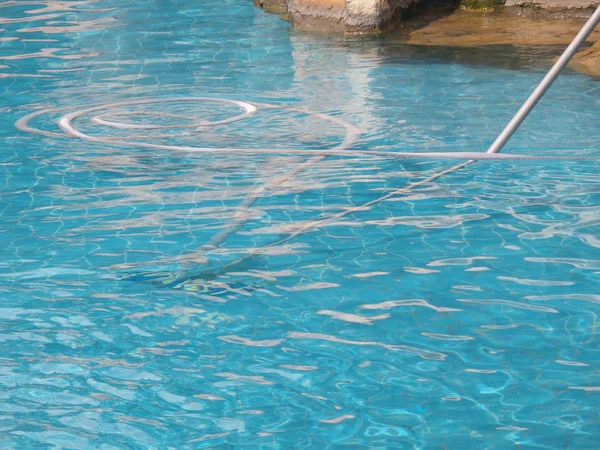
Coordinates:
458 313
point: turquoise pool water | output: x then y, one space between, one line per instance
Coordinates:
461 312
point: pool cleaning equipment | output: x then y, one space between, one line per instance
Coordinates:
195 125
491 154
110 115
545 84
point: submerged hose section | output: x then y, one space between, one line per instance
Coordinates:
495 148
352 134
111 115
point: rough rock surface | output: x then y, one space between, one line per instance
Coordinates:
464 29
555 9
318 15
376 16
588 61
273 6
537 24
347 16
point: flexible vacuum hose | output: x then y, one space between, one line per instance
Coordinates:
352 135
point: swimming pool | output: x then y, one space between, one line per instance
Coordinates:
459 312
